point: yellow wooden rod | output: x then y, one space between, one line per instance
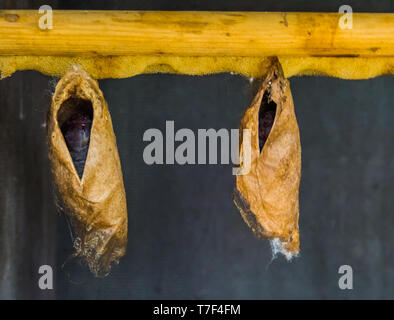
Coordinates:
180 33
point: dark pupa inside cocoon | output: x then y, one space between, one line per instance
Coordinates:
75 118
267 113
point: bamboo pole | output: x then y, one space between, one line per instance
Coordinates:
242 34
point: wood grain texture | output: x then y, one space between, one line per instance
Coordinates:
188 33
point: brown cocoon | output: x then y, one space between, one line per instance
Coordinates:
267 196
96 203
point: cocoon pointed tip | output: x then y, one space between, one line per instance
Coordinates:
86 170
267 196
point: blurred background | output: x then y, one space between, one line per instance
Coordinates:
186 238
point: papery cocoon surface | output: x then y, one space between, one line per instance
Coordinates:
267 196
94 197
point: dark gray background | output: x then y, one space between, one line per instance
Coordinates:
186 238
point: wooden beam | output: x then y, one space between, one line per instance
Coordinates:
242 34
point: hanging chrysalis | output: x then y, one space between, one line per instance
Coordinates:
267 196
86 170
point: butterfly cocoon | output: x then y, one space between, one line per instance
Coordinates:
267 196
86 170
